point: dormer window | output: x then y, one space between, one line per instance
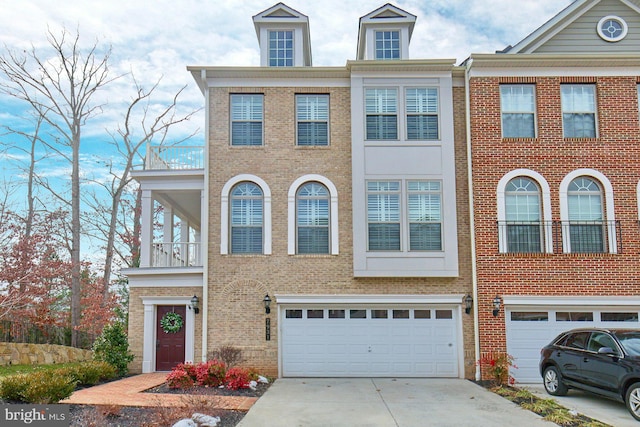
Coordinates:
385 33
387 44
281 48
283 34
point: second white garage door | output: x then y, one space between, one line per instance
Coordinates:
369 342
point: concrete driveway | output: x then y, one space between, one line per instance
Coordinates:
598 408
402 402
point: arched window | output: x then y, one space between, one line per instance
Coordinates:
524 213
246 219
312 219
522 210
587 229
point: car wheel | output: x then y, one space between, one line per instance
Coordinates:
553 382
632 400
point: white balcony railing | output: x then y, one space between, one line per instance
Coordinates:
174 158
180 254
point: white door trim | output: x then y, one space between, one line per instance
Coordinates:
149 329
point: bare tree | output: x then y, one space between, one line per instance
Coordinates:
139 128
60 89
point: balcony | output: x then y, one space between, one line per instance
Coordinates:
180 254
174 158
560 237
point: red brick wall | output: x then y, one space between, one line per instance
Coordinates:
615 153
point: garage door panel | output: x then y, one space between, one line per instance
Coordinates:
530 329
372 346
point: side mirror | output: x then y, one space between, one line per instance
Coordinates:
607 350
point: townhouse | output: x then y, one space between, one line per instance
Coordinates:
397 216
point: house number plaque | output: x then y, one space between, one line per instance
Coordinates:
267 327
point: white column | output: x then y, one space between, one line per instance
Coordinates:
146 228
149 334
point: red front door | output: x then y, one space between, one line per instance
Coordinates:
169 345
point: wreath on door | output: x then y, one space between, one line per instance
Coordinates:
171 322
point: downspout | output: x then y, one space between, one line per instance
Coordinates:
204 233
474 273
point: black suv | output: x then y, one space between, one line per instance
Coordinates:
601 361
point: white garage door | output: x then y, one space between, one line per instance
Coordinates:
369 342
531 328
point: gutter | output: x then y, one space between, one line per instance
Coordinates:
204 222
472 234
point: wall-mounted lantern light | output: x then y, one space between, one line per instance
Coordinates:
496 305
468 303
195 304
267 304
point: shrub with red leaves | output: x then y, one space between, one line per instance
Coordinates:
211 373
237 378
179 378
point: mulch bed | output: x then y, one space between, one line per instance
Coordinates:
208 391
113 416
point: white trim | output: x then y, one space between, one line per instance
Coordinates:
622 22
553 72
369 299
275 82
524 300
546 206
224 211
609 207
149 332
333 211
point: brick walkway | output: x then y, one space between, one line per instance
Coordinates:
129 392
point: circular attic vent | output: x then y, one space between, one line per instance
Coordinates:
612 28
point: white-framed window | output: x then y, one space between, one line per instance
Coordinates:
404 215
424 200
281 48
578 110
383 215
523 226
381 109
312 219
244 200
307 210
524 213
587 213
518 110
387 45
246 119
246 219
312 120
421 107
587 230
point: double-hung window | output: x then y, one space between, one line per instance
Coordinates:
522 214
312 117
518 108
246 119
424 199
281 48
421 106
587 229
578 110
387 45
313 219
381 109
247 211
383 215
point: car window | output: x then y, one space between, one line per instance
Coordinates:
599 340
577 340
630 341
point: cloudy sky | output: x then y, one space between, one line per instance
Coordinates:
159 38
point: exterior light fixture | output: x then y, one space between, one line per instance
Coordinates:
195 302
496 305
468 303
267 304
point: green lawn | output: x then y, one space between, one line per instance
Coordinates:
19 369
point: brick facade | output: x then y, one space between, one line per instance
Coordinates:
615 153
